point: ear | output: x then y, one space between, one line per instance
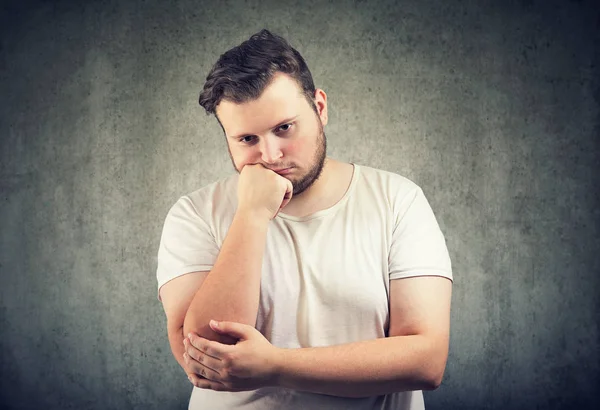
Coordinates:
321 104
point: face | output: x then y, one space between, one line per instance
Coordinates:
279 130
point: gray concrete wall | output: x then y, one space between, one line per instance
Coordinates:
492 107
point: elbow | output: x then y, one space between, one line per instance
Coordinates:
433 371
190 325
202 329
432 379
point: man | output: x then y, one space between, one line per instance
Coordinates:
300 282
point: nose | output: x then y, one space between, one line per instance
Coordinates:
270 148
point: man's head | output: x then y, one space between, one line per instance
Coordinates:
263 96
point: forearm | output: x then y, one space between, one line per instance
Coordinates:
232 288
177 348
367 368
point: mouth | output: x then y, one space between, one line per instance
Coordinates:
283 171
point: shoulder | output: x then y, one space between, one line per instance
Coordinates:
392 185
218 195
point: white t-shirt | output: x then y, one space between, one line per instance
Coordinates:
325 276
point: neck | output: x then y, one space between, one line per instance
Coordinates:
319 187
317 194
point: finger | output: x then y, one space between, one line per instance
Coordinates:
200 369
237 330
287 197
214 385
284 203
209 347
194 350
197 357
194 378
289 192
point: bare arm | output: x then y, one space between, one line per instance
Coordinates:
231 291
177 348
412 358
232 288
359 369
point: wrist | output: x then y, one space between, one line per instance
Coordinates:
278 366
253 216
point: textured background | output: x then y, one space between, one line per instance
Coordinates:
491 107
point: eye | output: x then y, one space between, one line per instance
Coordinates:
286 129
246 140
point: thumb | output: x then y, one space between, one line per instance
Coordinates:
237 330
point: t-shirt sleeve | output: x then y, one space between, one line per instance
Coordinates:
418 247
186 245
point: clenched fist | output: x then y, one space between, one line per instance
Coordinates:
263 192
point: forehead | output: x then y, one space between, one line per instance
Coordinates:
280 100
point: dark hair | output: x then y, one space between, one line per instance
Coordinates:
242 73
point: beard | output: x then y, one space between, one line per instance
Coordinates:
315 170
304 182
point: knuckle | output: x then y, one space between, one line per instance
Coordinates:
226 374
226 359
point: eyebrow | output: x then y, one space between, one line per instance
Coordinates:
276 126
